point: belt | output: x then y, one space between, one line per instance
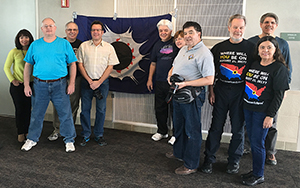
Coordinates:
49 81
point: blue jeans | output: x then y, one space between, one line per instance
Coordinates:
257 135
42 94
74 101
187 131
87 95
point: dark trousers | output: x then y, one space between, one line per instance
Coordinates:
161 106
270 142
187 124
271 139
228 97
22 107
257 134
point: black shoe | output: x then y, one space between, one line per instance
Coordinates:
206 168
84 141
253 180
233 168
100 141
247 175
271 160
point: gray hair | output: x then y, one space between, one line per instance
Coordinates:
165 22
66 26
236 16
269 14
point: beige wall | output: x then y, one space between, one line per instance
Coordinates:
51 8
289 19
288 122
15 15
288 13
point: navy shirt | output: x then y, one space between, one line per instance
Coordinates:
163 54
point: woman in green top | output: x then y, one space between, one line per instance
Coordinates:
22 103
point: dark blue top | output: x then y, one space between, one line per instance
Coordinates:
163 54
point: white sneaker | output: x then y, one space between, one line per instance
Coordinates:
158 136
70 147
172 140
53 136
28 145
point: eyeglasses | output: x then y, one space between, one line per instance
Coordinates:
72 30
50 26
93 30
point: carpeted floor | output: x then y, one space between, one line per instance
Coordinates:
129 160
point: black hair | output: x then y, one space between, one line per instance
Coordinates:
196 26
23 32
277 55
97 22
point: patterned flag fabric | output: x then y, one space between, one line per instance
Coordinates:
133 39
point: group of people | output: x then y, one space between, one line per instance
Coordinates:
245 78
47 70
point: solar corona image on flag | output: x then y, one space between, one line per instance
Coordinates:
132 39
127 51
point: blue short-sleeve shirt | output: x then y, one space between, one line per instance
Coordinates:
50 60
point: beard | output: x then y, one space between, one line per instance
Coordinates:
236 39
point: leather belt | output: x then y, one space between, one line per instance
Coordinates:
49 81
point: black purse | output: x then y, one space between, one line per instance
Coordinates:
184 95
187 94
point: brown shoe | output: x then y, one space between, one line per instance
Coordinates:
184 171
21 137
170 155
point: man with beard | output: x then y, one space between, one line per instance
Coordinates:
232 58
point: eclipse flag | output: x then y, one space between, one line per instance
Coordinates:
133 39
